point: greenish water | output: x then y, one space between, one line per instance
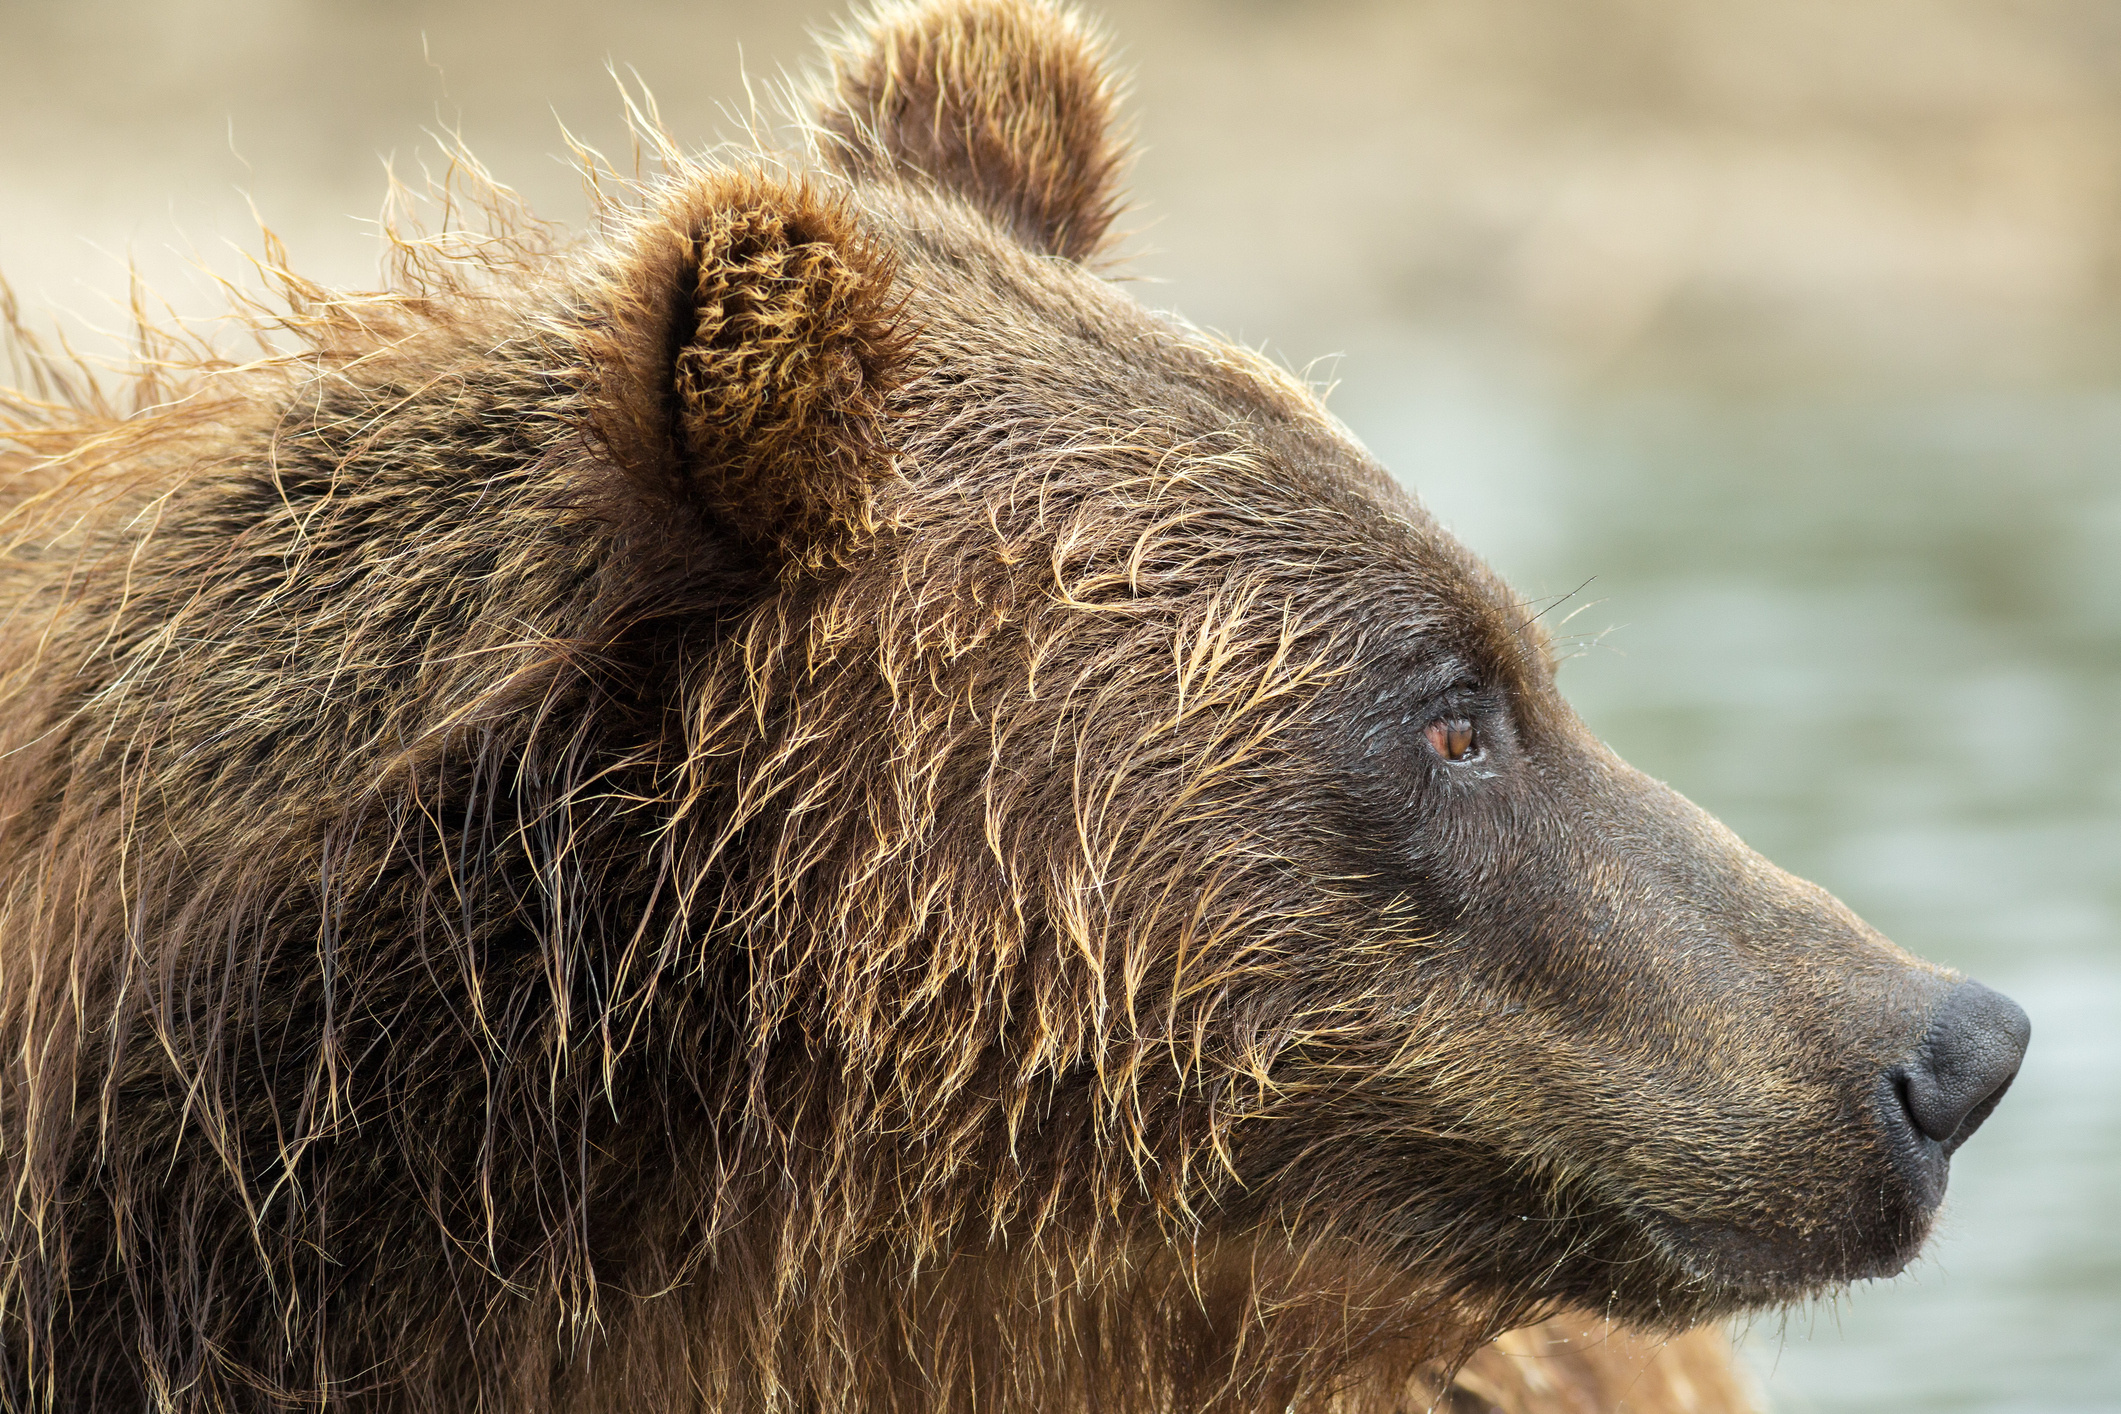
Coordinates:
1881 637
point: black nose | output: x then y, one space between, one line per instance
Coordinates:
1966 1061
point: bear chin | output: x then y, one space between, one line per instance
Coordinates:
1666 1272
1737 1270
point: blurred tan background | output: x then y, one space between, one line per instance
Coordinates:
1808 186
1788 327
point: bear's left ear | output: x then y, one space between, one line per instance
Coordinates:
1007 103
743 342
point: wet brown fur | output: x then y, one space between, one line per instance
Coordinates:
656 825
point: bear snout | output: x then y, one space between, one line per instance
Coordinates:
1933 1101
1965 1045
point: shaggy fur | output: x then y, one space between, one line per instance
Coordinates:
806 808
1010 106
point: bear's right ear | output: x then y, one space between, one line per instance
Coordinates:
1007 103
742 342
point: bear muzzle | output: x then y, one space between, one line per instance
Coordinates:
1968 1043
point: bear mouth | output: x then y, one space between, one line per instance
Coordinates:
1735 1268
1665 1269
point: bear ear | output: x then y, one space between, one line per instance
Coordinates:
1008 103
744 344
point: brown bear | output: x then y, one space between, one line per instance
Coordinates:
806 807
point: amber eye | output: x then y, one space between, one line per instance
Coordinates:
1453 738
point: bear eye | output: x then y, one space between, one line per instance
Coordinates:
1454 739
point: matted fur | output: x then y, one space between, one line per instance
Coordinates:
803 807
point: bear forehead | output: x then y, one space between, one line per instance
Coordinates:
1031 368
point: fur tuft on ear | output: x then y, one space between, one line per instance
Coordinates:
1008 103
748 348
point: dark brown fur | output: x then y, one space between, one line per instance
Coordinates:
810 809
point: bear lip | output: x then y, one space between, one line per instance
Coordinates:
1745 1268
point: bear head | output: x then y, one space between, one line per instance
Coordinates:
822 810
1165 817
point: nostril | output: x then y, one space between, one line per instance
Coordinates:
1966 1061
1907 1100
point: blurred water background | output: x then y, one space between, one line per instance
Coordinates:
1779 335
